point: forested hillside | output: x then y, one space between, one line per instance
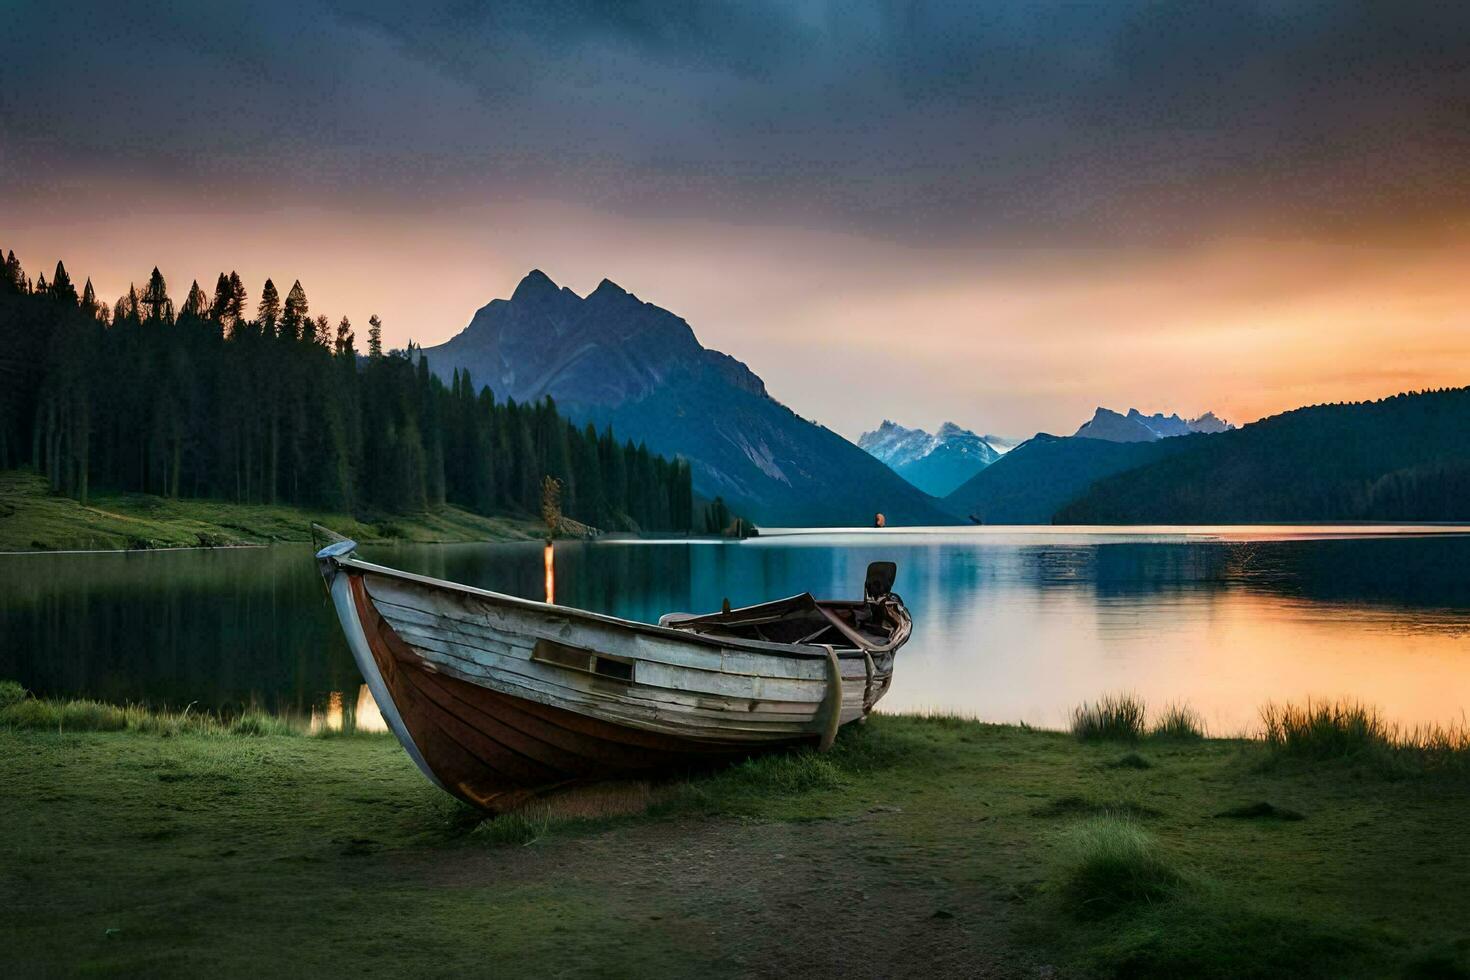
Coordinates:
1402 458
279 407
1031 482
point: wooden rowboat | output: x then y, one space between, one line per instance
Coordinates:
497 698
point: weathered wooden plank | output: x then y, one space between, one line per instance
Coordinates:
595 685
735 663
510 644
630 707
466 614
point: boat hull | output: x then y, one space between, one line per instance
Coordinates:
488 696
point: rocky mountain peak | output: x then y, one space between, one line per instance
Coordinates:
612 358
536 285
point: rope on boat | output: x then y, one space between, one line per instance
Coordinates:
831 717
868 683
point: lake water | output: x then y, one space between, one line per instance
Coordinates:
1009 624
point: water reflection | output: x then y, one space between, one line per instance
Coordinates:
1008 625
330 715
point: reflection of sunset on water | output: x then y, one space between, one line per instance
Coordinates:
367 717
1010 624
365 714
331 719
1017 655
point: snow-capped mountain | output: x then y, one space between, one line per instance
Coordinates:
935 463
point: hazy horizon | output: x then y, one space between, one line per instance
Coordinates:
1003 217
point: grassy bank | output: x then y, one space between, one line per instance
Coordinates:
933 844
34 519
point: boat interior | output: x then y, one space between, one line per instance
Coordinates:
852 625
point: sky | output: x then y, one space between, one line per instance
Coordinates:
1004 214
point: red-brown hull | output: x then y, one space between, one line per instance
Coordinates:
494 750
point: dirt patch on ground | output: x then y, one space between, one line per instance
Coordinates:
776 898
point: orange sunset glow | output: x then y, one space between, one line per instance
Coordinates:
1011 217
1014 341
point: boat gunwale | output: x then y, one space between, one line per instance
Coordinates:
804 651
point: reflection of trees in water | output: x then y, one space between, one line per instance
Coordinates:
1412 573
223 628
232 627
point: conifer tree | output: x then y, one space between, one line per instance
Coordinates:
344 342
236 303
268 310
294 317
12 277
375 336
323 428
61 287
154 304
196 305
219 308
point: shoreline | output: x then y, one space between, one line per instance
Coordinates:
35 521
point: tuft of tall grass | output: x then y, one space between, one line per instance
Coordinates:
30 713
1350 731
91 716
1113 717
79 715
787 773
67 716
170 723
256 723
1324 730
1179 722
1110 864
11 693
514 829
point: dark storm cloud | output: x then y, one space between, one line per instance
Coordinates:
1027 121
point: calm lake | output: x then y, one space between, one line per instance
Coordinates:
1009 624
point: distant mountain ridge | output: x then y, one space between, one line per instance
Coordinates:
611 358
1032 482
1136 427
1402 458
936 463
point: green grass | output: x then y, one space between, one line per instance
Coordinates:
25 713
1354 734
68 716
1114 717
517 828
1178 722
11 693
34 519
174 848
1124 718
1112 864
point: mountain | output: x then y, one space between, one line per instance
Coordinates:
896 445
1209 423
1137 427
1404 458
611 358
1001 444
937 463
1029 484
